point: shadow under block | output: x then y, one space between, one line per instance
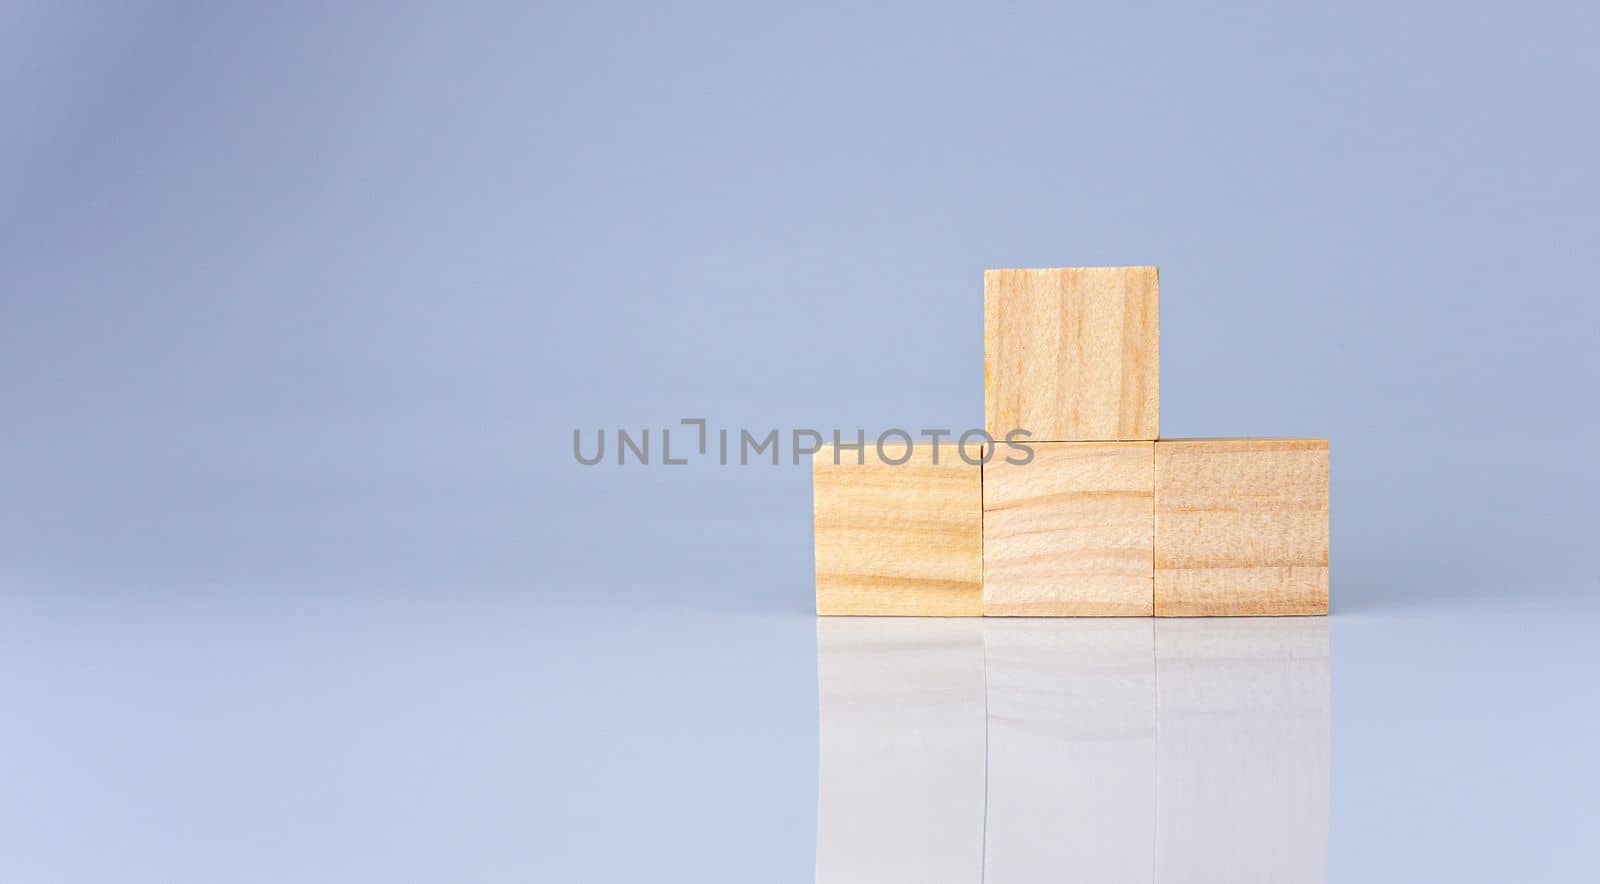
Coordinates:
1072 354
1241 527
1070 533
898 539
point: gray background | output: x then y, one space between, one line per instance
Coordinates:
300 304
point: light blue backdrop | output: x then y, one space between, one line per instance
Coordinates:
300 304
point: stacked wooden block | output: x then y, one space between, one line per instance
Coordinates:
1105 518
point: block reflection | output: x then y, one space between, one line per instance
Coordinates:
900 776
1072 744
1106 750
1242 750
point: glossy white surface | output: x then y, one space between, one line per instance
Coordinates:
431 735
1114 750
901 782
1072 734
1242 752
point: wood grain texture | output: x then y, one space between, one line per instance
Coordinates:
1241 527
1070 534
902 540
1072 354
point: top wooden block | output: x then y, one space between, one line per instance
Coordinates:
1072 354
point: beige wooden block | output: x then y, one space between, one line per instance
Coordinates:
902 539
1072 354
1241 527
1070 533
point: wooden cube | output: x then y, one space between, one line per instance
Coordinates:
1070 533
898 539
1072 354
1241 527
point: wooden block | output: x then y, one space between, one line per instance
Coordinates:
1072 354
1241 527
902 539
1070 533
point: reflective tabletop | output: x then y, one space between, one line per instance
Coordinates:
433 734
1096 749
